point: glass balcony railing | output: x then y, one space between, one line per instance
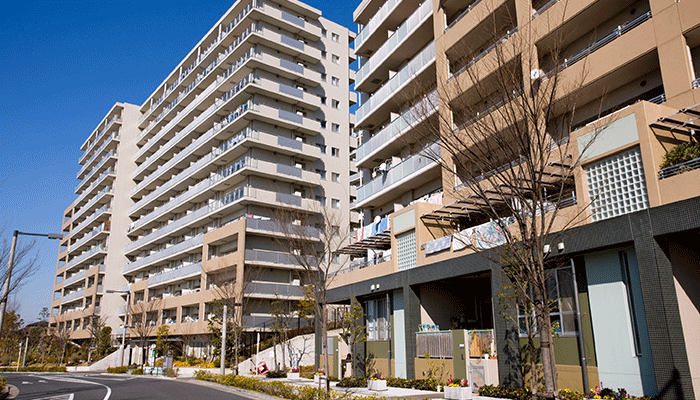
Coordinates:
75 278
271 289
401 171
115 118
387 8
274 227
401 78
86 255
94 184
165 253
402 32
399 125
78 294
98 196
485 52
100 228
111 153
173 274
271 257
114 135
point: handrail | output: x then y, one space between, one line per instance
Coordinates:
679 168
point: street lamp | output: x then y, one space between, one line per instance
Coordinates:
10 266
126 321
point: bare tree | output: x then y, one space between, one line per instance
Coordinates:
25 262
499 128
352 330
144 323
313 238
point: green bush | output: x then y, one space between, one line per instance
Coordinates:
505 392
353 382
3 383
118 370
683 152
171 372
137 371
276 374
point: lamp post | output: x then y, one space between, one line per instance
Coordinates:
126 322
223 340
10 266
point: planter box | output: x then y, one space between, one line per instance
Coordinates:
319 378
292 375
376 384
458 392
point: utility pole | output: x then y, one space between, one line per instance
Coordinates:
223 341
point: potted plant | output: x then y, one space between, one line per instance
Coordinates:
319 376
458 389
376 382
293 373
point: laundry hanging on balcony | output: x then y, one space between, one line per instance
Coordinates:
438 245
462 239
488 235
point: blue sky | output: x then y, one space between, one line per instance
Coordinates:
62 66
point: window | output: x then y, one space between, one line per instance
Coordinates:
323 54
335 103
335 177
335 81
335 152
323 76
321 173
323 100
323 123
335 37
561 291
335 58
321 200
335 127
324 32
406 249
336 258
335 203
377 326
321 147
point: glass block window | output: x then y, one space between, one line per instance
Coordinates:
616 185
406 248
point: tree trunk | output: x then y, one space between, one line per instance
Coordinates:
324 345
546 348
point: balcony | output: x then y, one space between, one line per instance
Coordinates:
387 18
286 44
86 256
116 118
260 289
385 142
396 48
383 100
410 173
679 168
101 195
165 254
166 277
287 21
75 278
77 295
78 245
110 156
107 208
270 227
106 173
271 258
113 139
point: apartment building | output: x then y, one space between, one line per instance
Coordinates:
89 259
250 128
626 279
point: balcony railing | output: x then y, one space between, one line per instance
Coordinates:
402 170
100 228
274 289
619 31
78 294
178 273
387 8
86 255
273 257
679 168
114 135
98 196
696 83
544 8
402 32
399 125
75 278
364 263
111 153
105 208
425 57
274 226
485 52
116 118
165 253
97 181
465 12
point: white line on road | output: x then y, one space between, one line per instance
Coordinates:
60 397
73 380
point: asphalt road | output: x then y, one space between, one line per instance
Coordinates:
46 386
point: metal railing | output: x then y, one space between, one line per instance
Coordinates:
658 99
178 273
679 168
86 255
274 226
94 184
619 31
384 11
544 8
465 12
73 296
696 83
274 289
167 252
485 52
116 118
111 153
114 135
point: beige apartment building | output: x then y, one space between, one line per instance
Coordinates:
628 269
252 124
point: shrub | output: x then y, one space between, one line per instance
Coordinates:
683 152
505 392
171 372
353 382
34 369
118 370
137 371
276 374
3 383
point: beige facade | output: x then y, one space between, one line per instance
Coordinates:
635 65
252 123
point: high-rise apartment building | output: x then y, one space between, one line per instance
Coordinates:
252 123
625 285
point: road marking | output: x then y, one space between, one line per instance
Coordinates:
60 397
26 383
73 380
42 381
